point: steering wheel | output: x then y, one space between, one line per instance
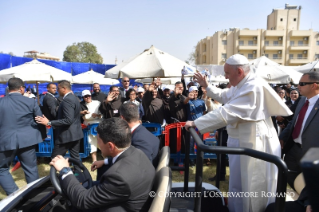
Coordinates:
56 183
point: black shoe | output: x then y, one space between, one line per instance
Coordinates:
214 178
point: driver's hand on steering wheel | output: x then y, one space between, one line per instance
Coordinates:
97 164
59 162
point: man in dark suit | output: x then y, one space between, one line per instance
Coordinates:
301 133
50 102
19 134
141 138
125 86
34 90
67 126
127 183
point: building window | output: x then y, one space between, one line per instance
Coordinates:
224 56
266 55
295 19
224 42
276 43
275 56
299 56
292 43
250 56
250 43
317 42
266 43
316 56
291 56
300 43
241 42
281 19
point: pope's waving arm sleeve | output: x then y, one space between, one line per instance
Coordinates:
239 108
220 95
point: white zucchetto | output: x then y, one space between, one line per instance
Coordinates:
237 59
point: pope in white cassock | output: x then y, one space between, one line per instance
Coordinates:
248 106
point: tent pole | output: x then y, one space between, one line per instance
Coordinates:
38 93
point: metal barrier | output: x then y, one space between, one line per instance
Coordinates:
178 156
158 127
45 148
201 148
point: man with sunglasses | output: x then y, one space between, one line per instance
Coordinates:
301 133
126 84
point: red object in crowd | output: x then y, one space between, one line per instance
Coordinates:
83 126
44 92
17 166
1 96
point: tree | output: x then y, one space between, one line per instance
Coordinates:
192 56
84 52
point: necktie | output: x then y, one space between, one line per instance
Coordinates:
300 119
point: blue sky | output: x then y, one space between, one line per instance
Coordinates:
123 28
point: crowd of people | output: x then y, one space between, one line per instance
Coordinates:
247 112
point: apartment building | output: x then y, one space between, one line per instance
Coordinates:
281 42
38 55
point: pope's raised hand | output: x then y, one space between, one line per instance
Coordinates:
202 80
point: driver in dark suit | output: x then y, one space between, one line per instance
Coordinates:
126 184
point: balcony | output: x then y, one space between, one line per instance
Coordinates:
276 59
298 60
273 47
299 47
274 33
248 47
251 33
300 33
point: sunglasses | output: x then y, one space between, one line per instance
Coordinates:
126 81
307 83
87 96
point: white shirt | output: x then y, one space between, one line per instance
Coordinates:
312 102
93 107
134 127
106 160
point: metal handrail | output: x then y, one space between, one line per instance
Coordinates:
201 148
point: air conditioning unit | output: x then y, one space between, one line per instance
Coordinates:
255 38
254 52
305 38
279 52
305 52
280 38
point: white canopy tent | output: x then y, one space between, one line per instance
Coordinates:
34 72
168 81
277 74
313 66
91 77
262 61
150 63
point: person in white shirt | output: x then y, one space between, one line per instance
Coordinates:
91 115
248 106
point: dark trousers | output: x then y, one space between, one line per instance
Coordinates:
73 147
294 206
292 159
28 160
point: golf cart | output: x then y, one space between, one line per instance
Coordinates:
45 194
